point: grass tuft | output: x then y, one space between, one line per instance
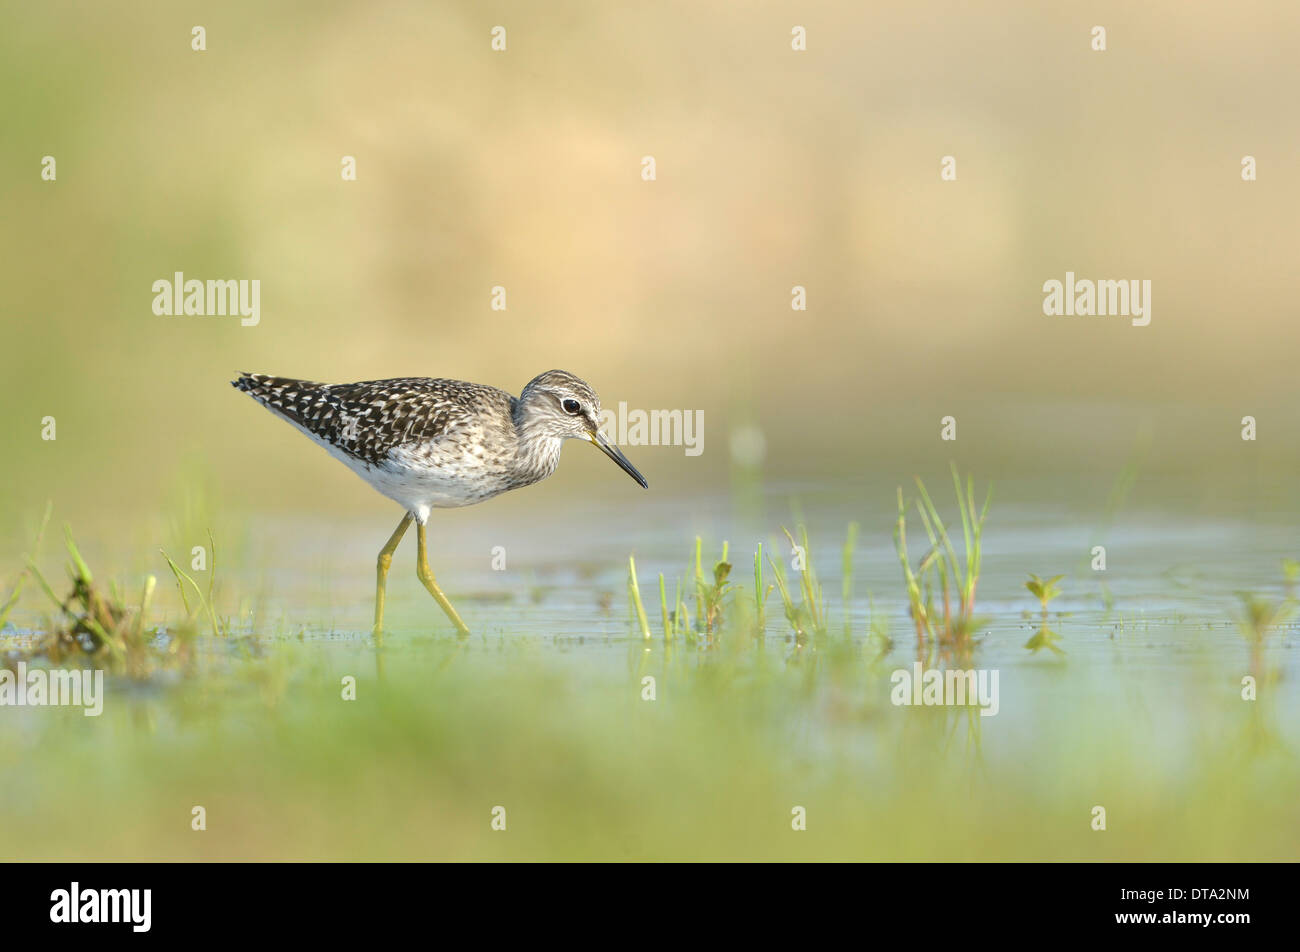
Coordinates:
948 627
98 627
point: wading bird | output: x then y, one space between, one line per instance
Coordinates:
438 444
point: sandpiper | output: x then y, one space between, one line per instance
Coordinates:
439 444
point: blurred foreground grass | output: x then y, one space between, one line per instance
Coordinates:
586 769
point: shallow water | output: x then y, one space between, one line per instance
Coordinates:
542 706
1169 633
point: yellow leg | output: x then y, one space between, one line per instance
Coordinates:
425 576
381 573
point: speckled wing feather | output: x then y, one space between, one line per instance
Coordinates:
368 420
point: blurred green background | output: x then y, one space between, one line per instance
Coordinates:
775 168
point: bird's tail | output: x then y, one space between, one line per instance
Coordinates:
266 387
284 395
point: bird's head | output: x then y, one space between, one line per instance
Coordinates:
559 405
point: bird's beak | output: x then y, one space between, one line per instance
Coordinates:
601 442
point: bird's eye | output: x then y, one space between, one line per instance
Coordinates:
572 406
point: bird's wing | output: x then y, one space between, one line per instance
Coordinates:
368 420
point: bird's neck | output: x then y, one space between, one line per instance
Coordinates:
538 453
